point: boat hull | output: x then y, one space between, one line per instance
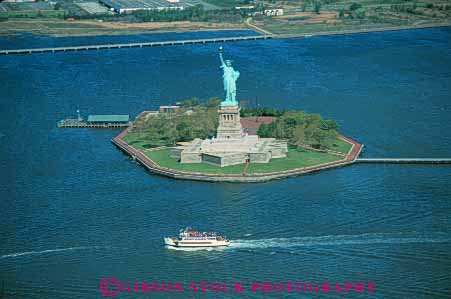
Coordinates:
190 243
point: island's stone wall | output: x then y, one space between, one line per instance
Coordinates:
280 150
260 157
137 155
191 158
210 159
233 159
175 153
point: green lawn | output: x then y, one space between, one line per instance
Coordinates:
295 159
33 14
341 146
225 3
287 28
134 140
163 159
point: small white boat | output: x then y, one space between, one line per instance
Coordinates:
192 238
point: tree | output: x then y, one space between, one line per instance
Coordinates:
302 129
303 6
190 102
213 102
317 7
298 138
355 6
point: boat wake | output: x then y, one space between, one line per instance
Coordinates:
19 254
340 240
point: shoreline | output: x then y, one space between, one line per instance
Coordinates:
126 31
369 30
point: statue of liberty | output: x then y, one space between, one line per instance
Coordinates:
230 76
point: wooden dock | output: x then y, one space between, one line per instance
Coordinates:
405 160
77 123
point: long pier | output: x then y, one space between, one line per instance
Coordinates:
80 125
405 160
135 45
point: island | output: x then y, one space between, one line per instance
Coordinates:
218 140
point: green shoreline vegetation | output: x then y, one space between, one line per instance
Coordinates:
68 17
195 119
310 137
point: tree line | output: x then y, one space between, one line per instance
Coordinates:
193 120
302 129
194 13
200 120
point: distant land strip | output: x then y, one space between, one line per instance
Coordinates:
209 40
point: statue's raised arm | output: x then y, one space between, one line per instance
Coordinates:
220 57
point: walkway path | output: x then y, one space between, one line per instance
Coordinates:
256 28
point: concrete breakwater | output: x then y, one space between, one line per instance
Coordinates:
153 167
405 160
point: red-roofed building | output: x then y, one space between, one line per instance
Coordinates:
251 124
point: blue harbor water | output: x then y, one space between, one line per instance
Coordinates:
74 209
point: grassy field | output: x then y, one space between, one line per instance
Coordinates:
365 15
52 14
295 159
163 159
341 146
58 27
133 139
296 28
226 3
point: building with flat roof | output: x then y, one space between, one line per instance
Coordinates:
92 119
169 109
273 12
126 6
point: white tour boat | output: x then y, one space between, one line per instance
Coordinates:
193 238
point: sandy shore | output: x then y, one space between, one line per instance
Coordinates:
90 27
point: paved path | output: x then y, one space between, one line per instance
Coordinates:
256 28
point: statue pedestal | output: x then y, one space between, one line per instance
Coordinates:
229 123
